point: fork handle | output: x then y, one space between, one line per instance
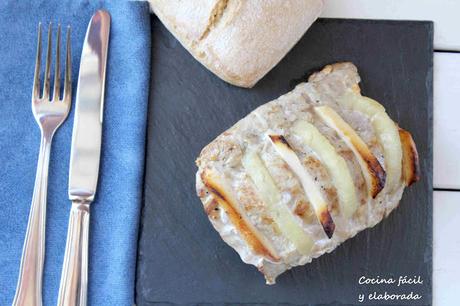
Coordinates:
29 287
74 278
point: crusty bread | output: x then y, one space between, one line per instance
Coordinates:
238 40
303 173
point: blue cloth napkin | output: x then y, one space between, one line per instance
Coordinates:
115 212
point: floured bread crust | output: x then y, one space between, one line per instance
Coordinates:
283 165
238 40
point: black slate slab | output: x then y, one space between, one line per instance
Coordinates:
182 260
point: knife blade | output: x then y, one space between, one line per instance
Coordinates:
84 158
87 127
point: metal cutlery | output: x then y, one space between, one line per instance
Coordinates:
49 114
84 158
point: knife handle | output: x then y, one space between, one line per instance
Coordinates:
74 278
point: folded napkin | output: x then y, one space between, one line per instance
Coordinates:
115 212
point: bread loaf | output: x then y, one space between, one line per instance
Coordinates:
238 40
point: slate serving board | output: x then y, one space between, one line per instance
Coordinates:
182 260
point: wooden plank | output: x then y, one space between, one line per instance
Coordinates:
446 248
446 122
443 12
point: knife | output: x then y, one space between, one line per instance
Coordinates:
84 158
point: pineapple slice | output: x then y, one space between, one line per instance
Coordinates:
410 164
386 132
335 164
311 190
355 101
269 193
223 194
373 173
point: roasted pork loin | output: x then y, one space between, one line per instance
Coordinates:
303 173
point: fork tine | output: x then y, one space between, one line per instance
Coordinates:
46 85
68 70
36 86
57 68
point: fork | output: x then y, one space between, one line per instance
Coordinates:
49 114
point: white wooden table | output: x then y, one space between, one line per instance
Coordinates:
446 104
